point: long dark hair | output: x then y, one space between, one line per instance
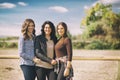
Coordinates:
25 26
52 35
65 28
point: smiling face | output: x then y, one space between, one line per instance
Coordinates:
31 28
60 30
47 29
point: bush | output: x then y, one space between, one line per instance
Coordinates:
3 44
8 44
96 45
78 45
12 45
115 45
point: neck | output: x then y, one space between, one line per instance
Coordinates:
47 37
30 34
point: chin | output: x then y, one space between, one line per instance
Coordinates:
47 33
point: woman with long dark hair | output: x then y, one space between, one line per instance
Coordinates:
44 50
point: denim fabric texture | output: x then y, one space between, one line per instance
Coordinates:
26 51
28 72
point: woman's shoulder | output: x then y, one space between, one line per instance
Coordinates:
67 40
40 37
21 37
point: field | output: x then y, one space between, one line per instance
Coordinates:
83 70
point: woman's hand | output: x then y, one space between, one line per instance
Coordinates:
67 69
53 62
66 72
36 60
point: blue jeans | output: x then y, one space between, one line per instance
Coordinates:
28 72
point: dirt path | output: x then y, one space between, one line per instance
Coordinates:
83 70
10 70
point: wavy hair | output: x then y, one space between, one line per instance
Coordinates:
52 35
25 26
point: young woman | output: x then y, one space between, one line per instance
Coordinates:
44 50
26 49
63 50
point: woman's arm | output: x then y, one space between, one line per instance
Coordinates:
68 45
21 49
39 52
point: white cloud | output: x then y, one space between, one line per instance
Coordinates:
86 7
7 5
59 9
114 3
22 4
109 1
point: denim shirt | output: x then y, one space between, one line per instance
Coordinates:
26 51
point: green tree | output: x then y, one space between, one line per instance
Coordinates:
102 24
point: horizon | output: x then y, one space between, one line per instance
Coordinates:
13 13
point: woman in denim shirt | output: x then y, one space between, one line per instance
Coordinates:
26 49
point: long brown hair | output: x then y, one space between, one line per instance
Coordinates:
65 28
25 26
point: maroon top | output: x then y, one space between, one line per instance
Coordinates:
64 48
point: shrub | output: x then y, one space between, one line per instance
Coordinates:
95 45
78 45
12 45
115 45
8 44
3 44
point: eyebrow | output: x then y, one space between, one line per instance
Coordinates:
32 25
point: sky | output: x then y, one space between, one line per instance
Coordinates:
14 12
